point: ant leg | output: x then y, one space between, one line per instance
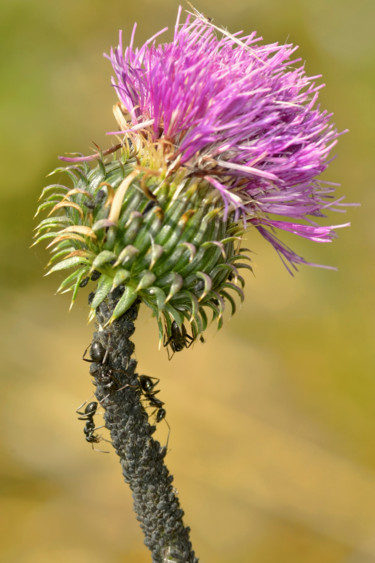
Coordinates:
170 356
169 431
94 439
84 355
80 406
105 356
164 449
100 451
98 428
125 386
167 341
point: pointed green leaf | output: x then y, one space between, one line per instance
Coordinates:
207 284
242 265
191 248
235 288
203 317
127 254
230 239
68 281
45 205
64 249
217 243
189 297
52 222
160 296
103 258
229 298
239 257
68 263
76 288
147 279
177 283
51 187
104 287
241 280
120 277
155 252
44 237
102 224
126 301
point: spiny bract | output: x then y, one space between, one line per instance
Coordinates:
166 241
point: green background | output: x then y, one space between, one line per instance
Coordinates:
273 440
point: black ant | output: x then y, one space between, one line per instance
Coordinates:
147 385
98 356
89 429
178 339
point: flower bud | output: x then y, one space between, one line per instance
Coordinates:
167 240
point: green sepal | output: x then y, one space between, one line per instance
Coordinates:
147 279
63 249
127 255
229 298
155 252
52 187
235 288
103 258
207 284
68 282
68 263
76 287
203 316
160 297
191 248
178 255
104 287
102 224
121 276
243 265
52 222
176 284
44 237
125 302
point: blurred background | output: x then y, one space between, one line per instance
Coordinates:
273 419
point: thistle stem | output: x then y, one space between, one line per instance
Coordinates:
141 457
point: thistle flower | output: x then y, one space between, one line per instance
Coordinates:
218 132
239 115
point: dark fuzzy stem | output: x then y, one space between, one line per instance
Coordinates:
141 457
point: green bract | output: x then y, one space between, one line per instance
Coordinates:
162 237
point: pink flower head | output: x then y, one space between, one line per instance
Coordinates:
239 114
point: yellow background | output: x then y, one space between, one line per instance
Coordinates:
273 419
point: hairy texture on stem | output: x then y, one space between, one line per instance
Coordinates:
141 457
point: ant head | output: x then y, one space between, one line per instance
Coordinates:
147 383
